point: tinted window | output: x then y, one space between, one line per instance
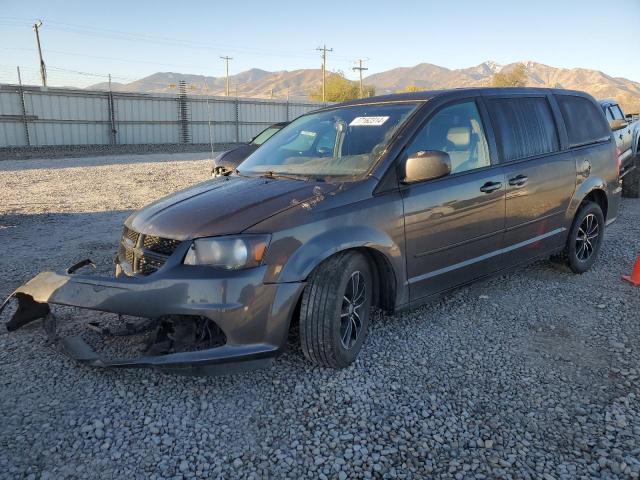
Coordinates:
457 130
524 127
585 124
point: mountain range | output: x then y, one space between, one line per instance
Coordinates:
298 83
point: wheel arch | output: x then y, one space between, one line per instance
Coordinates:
595 190
598 196
381 252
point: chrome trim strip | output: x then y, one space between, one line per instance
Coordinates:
486 256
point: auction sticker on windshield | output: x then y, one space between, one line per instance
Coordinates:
368 121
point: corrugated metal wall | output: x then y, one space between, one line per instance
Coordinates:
55 116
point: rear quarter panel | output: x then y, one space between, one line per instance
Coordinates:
602 175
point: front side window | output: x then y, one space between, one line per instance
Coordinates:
343 142
458 131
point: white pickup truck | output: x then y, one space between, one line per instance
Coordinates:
627 133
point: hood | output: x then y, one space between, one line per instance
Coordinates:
222 206
234 157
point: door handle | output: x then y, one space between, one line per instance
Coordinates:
518 181
491 187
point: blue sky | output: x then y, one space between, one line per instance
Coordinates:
132 39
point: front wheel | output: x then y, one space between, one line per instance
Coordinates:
585 238
335 310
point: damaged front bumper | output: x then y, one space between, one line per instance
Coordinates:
253 316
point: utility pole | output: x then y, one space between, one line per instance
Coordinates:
324 51
226 60
360 68
43 70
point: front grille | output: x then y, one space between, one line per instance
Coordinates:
164 246
148 264
131 235
144 254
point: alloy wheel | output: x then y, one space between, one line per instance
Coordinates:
587 237
354 299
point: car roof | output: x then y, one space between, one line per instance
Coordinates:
607 102
430 94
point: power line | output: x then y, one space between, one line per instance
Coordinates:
43 69
324 51
157 39
226 61
360 69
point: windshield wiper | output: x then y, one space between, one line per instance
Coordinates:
237 172
272 174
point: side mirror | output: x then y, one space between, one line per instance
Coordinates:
426 165
617 124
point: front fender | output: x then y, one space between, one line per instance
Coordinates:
320 247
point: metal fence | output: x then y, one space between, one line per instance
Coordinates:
36 116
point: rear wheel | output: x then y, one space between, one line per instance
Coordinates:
585 238
631 182
335 310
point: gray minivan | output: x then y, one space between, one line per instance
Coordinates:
381 202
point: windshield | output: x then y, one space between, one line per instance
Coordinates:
264 135
344 141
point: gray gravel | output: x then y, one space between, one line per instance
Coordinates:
534 374
67 151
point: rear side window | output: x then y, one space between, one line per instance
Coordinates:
585 124
524 127
608 113
617 113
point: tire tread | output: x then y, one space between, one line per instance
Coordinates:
316 310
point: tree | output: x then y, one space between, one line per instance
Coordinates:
411 88
340 89
516 77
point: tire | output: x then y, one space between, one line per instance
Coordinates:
331 331
579 255
631 183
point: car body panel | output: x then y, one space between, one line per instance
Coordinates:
452 219
221 206
538 207
230 159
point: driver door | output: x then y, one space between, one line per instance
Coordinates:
454 224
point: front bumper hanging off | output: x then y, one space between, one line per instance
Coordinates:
253 316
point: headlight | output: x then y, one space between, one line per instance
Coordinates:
230 253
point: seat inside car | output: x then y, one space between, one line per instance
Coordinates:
462 147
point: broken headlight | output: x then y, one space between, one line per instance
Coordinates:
229 253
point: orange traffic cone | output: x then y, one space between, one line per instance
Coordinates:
634 278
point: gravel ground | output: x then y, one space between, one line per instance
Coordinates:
66 151
534 374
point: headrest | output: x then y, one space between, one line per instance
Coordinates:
459 136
